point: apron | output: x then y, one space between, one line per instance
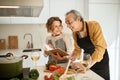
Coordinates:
102 67
58 44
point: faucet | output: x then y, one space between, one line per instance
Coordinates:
31 38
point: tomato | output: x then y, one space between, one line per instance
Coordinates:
61 70
53 67
49 78
52 77
46 77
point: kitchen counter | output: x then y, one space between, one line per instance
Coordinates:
26 62
90 74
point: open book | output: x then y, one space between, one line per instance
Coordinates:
57 50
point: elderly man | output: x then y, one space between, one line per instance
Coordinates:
88 36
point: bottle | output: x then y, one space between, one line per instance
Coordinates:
28 44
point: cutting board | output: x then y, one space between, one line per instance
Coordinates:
2 44
70 71
13 42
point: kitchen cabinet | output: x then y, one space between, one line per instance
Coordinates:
4 20
104 1
51 8
60 7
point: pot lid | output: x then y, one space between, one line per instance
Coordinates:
6 60
10 58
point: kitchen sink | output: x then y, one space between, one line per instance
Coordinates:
31 50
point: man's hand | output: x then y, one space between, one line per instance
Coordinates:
78 67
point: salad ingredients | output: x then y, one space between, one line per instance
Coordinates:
34 74
53 67
51 77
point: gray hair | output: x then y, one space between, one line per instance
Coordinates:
76 14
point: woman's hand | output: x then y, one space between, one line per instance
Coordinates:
74 57
58 57
46 52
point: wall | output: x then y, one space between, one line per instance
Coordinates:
107 12
38 32
20 30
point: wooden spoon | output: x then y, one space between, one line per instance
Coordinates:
62 77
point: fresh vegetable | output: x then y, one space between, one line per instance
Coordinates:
71 78
60 70
53 67
27 79
14 79
57 76
34 74
46 77
51 77
53 62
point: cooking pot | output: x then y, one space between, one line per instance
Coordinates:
11 66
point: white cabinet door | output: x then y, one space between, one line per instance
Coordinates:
60 7
104 1
45 13
4 20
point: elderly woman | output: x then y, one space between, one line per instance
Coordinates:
57 39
